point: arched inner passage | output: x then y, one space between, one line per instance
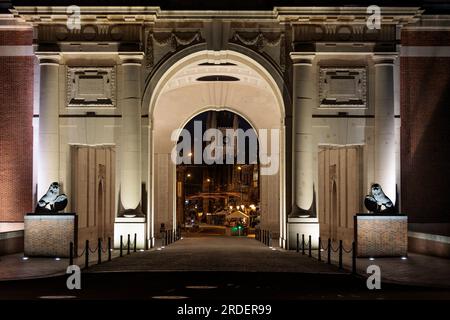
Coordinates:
206 81
218 193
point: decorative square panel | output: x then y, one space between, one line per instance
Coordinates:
91 87
342 87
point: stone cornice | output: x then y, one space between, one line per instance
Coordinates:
346 15
292 15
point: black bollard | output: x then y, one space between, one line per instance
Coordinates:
298 244
319 252
99 250
128 244
353 257
309 246
86 255
109 248
135 242
340 254
121 246
71 254
329 251
303 244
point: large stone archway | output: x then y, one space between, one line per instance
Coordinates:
178 96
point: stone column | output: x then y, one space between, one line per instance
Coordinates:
385 124
130 138
303 104
48 161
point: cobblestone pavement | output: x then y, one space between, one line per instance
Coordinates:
216 253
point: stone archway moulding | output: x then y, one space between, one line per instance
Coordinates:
268 114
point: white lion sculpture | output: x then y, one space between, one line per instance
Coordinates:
52 201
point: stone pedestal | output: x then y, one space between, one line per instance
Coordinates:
130 226
49 235
306 226
379 235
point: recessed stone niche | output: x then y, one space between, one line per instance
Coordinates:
91 87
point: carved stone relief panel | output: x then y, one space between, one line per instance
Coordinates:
272 44
343 32
90 32
342 87
91 87
160 44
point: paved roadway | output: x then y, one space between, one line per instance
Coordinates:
216 253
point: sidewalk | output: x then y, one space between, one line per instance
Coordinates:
416 269
14 267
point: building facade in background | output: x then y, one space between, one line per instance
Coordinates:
91 101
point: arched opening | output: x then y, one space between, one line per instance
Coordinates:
206 81
218 194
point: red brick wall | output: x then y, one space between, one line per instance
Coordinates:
425 131
16 131
425 38
18 37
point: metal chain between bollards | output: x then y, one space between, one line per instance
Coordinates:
332 248
347 251
329 248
